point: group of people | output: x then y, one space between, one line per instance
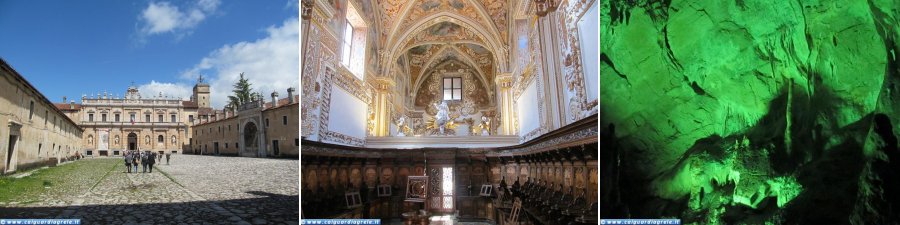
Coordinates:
146 159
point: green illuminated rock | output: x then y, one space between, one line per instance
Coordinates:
751 111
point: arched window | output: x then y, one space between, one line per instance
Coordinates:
159 139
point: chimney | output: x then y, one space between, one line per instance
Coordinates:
274 99
72 105
64 99
290 92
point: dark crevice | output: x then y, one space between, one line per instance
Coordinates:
668 48
697 89
605 59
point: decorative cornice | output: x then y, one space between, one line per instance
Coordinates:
325 8
582 132
382 83
504 80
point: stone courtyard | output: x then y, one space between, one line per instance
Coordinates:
191 190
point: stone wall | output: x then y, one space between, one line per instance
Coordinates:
34 132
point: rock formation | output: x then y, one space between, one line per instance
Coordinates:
750 111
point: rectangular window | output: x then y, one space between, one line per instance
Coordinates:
284 120
91 117
132 118
452 88
159 119
31 110
267 122
348 40
173 118
46 117
117 117
191 118
147 118
296 141
103 117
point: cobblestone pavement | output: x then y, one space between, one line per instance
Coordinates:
191 190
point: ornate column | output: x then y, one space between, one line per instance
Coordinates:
382 90
507 111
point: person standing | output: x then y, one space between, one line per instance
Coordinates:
151 161
128 161
136 160
145 161
167 158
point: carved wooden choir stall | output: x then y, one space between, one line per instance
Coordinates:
551 179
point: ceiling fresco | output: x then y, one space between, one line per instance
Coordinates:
462 37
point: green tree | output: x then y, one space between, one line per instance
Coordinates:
242 92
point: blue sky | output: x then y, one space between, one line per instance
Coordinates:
70 48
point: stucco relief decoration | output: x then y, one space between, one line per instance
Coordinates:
442 32
572 62
391 10
429 7
497 10
309 91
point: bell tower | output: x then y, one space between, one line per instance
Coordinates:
201 93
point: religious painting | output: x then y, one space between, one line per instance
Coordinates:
429 5
312 179
371 177
444 29
387 176
323 176
342 177
495 175
579 178
416 188
336 21
457 4
402 174
523 174
334 176
419 170
355 178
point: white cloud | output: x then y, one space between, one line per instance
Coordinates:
270 63
171 90
163 17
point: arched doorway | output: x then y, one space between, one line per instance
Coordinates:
132 141
251 143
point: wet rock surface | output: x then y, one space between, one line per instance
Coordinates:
733 112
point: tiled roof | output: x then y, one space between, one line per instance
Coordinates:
189 104
67 107
282 103
206 111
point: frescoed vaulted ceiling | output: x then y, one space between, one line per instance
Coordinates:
417 36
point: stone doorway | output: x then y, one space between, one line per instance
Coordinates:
10 151
250 138
132 141
275 150
11 147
